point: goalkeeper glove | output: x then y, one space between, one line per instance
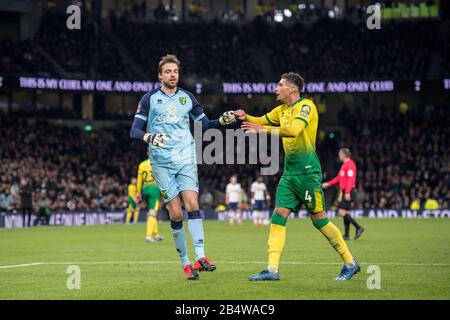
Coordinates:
156 139
227 118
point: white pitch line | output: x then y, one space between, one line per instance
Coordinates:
405 264
22 265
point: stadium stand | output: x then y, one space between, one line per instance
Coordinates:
252 51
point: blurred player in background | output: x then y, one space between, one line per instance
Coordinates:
233 200
347 192
147 189
258 195
162 121
132 209
296 122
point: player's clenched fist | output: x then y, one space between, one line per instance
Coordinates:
227 118
156 139
240 114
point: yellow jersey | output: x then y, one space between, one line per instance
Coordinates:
132 189
300 151
145 176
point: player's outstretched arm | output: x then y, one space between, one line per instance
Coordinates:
226 119
243 116
290 131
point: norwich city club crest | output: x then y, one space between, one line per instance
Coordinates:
183 100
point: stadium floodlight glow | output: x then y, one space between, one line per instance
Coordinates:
287 13
331 14
278 16
301 6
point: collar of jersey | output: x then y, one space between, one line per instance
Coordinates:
296 102
168 95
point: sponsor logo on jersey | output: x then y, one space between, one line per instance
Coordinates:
171 109
168 118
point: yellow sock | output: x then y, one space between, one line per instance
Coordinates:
128 217
155 228
136 215
150 226
277 238
334 236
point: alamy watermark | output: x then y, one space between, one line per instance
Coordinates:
73 22
74 279
374 280
233 147
374 20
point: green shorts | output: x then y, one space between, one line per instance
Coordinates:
151 196
131 203
293 190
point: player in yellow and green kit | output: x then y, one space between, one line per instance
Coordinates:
296 121
132 209
148 190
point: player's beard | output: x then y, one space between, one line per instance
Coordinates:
170 85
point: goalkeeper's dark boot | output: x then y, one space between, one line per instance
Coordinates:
190 272
204 264
359 232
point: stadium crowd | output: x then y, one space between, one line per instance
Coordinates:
402 162
242 52
403 158
68 169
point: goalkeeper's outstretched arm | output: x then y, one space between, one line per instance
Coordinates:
225 119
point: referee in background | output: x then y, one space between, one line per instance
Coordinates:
347 191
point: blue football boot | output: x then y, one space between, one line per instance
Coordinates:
348 272
264 275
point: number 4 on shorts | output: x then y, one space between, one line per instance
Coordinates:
308 196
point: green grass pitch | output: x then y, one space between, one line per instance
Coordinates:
413 256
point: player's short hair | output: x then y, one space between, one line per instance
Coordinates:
295 79
168 58
346 152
